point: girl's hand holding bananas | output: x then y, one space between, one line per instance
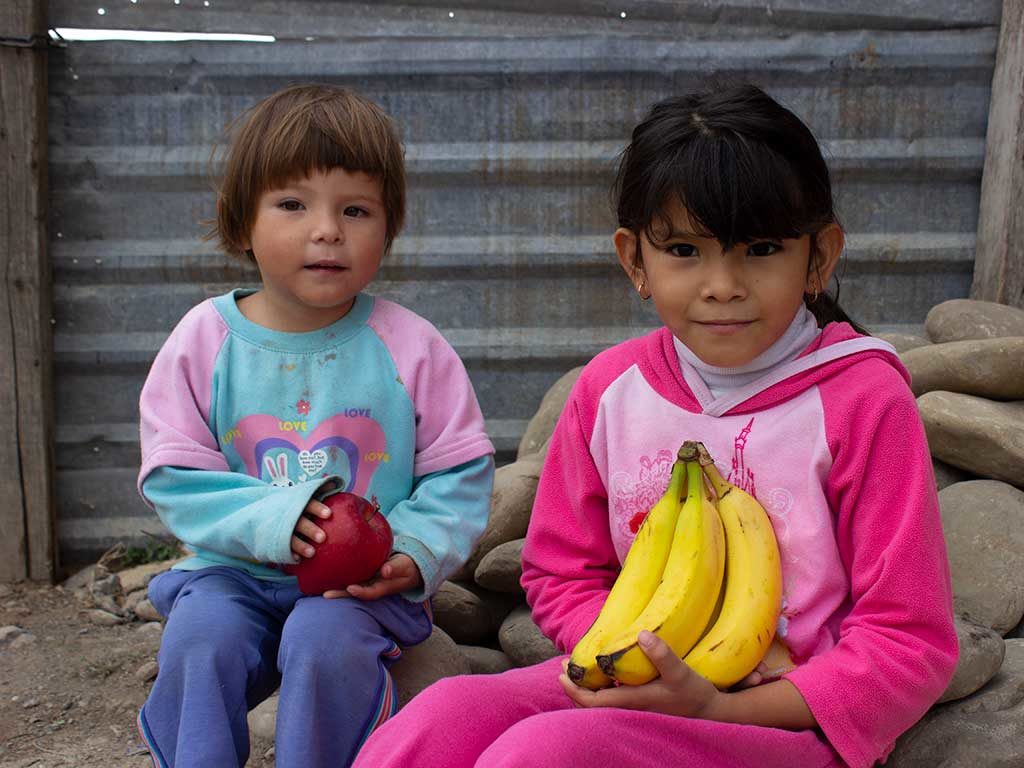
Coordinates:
680 691
677 690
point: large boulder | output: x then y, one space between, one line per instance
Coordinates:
486 661
134 579
469 614
502 567
962 319
523 641
421 665
985 730
515 486
992 368
539 430
947 474
983 521
981 655
982 436
902 342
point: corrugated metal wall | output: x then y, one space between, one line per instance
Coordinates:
512 118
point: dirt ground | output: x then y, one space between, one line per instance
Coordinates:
69 688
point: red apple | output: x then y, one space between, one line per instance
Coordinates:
358 541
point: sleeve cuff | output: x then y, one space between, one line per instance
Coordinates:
425 561
298 497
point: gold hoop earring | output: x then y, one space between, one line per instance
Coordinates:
815 295
640 289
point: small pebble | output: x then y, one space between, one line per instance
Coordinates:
147 671
103 618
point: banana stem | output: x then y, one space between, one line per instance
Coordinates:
720 484
689 451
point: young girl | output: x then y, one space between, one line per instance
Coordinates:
726 222
260 402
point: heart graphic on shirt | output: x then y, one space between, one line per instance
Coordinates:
312 461
351 447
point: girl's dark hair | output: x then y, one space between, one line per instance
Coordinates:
743 166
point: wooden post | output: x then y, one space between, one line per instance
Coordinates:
27 542
999 260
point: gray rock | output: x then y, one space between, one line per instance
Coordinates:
138 577
962 319
992 368
501 568
21 641
982 436
132 600
109 585
903 341
539 430
515 486
983 521
81 579
985 730
947 474
145 611
103 618
8 633
523 641
486 661
148 671
151 631
421 665
464 613
1017 631
107 603
263 719
981 656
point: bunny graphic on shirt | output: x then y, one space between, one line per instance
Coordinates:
278 472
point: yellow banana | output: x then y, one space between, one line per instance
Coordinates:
636 582
739 639
679 610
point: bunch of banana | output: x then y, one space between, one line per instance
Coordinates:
706 580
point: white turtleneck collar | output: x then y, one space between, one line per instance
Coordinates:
801 332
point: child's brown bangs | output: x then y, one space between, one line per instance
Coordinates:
311 141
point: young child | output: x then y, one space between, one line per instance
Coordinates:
263 400
726 222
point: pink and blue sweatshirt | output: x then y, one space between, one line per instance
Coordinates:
241 426
832 446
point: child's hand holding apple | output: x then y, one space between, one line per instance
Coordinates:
341 542
399 574
307 530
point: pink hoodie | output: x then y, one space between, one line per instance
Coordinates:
832 445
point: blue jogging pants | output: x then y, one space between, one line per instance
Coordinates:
231 640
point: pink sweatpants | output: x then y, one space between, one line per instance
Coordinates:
523 718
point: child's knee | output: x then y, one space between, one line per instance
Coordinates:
546 740
197 634
452 697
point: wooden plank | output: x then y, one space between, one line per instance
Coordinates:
27 547
999 263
